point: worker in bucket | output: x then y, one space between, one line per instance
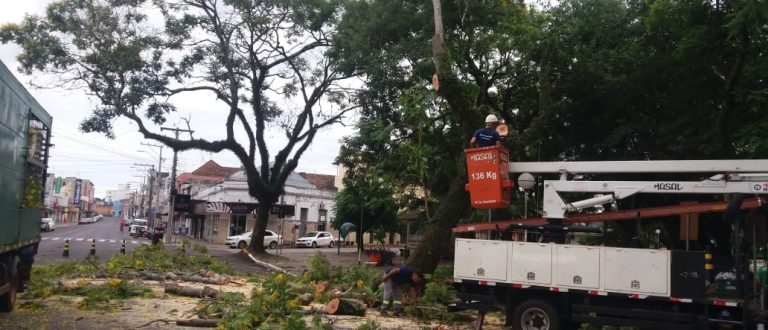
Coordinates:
395 279
487 136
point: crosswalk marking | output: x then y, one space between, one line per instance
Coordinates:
81 239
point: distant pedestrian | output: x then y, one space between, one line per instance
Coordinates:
487 136
159 233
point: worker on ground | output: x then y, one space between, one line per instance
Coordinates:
487 136
394 280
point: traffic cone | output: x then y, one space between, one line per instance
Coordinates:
122 248
93 247
65 254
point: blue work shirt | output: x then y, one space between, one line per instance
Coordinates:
403 276
486 137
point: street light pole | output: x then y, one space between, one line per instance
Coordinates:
360 230
152 182
171 212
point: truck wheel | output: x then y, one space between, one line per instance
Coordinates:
535 314
8 300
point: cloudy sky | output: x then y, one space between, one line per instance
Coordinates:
108 163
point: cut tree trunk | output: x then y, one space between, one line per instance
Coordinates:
205 292
368 300
199 323
437 235
344 306
306 299
321 287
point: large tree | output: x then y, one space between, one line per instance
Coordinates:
582 80
367 202
136 56
416 135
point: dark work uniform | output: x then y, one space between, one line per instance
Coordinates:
392 285
486 137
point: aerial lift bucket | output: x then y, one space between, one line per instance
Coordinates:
488 172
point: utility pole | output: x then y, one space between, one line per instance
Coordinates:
143 185
172 197
151 169
152 183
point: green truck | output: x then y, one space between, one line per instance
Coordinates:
25 132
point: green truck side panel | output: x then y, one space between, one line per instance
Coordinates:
18 226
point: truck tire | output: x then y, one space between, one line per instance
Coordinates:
8 300
535 314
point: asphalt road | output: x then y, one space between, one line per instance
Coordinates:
106 233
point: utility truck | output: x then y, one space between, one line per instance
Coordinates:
552 282
25 132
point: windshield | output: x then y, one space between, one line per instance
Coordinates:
310 234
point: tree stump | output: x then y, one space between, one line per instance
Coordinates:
345 306
321 287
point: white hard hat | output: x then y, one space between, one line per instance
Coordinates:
491 119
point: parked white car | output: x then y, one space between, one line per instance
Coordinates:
85 221
47 224
271 240
136 224
316 239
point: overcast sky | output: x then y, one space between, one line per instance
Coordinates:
108 163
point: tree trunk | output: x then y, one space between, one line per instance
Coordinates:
205 292
437 235
344 306
262 219
359 239
455 203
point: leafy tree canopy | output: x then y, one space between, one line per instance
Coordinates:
136 56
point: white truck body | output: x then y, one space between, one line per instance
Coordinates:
562 267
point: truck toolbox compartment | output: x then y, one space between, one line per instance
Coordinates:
531 263
577 266
636 271
481 259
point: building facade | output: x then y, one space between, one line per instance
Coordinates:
225 209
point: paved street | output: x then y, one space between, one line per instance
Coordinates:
106 233
109 238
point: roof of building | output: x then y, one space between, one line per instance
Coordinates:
185 177
213 169
320 181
